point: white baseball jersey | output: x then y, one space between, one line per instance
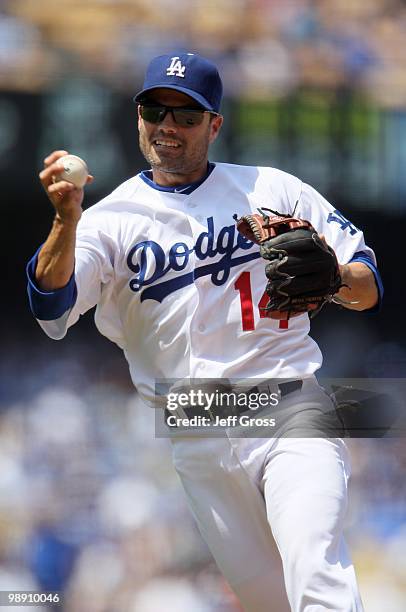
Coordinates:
179 290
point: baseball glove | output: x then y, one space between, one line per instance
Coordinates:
302 272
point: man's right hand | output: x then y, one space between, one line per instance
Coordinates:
65 197
56 259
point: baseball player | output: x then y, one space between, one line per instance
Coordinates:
181 291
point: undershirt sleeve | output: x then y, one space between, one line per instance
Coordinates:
49 305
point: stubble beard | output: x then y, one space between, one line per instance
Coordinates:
186 163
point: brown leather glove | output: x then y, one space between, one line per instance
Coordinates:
302 272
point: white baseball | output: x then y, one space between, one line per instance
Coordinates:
75 170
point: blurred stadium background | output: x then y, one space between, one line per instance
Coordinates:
89 503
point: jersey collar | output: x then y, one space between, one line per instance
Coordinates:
146 176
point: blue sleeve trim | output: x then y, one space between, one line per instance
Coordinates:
49 305
366 259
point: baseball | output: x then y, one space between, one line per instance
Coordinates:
75 170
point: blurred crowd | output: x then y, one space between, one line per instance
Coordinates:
314 87
264 47
90 505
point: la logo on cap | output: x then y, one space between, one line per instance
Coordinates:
176 68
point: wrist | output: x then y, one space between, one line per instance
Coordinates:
345 273
66 221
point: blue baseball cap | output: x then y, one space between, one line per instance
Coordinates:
189 73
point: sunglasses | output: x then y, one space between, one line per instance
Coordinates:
185 117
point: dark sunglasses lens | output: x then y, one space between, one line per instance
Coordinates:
188 118
153 114
183 117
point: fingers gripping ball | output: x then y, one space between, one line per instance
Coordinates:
303 272
75 170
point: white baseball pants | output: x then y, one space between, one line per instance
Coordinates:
247 494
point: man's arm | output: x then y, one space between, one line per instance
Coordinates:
361 286
56 258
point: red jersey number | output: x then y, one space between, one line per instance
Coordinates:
243 286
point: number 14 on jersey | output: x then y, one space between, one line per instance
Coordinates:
243 286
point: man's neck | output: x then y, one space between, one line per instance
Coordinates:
148 177
173 179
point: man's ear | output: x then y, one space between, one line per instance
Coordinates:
139 115
215 126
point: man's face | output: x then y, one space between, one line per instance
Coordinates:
175 153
